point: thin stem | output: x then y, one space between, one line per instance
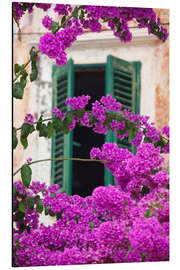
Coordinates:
56 159
44 120
90 112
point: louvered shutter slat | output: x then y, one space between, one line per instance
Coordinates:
61 170
123 83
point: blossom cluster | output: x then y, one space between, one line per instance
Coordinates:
62 9
19 7
107 114
128 222
58 113
117 17
54 45
78 103
132 172
29 119
89 17
107 227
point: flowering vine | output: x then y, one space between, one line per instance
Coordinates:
128 222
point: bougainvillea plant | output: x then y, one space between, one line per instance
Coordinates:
128 222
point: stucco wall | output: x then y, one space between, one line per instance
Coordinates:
90 48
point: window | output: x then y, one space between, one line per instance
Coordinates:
116 77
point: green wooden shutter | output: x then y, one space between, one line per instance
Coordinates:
123 83
63 87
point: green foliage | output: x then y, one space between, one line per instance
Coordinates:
39 206
63 21
69 117
22 206
75 12
42 128
46 210
50 129
91 225
20 216
26 129
145 190
17 68
65 127
54 27
26 174
30 202
15 140
148 213
18 90
57 124
79 113
24 142
81 14
34 70
59 215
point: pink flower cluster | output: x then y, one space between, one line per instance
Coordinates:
105 114
107 227
29 119
58 112
134 171
54 46
78 103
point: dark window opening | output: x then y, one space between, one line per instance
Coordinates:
87 175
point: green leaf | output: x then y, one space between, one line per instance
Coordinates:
167 169
23 82
22 206
65 127
39 206
39 123
17 68
63 21
30 202
28 228
46 210
69 117
91 225
34 74
26 174
18 90
34 70
59 215
24 142
50 129
81 14
20 216
26 129
92 120
145 190
15 140
75 12
54 27
80 113
57 124
22 228
24 74
147 140
43 130
51 213
148 213
14 192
